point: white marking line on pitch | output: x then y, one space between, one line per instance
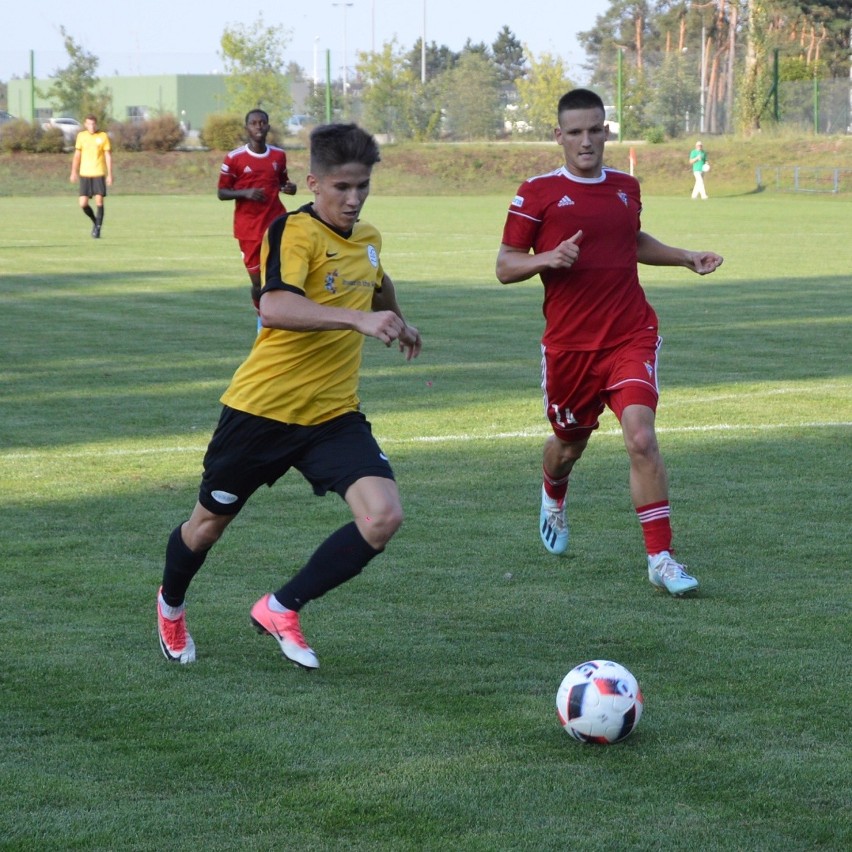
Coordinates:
543 433
431 439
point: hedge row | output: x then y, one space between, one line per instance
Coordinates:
164 133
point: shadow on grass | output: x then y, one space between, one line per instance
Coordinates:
90 366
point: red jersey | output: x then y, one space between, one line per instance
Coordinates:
598 302
243 169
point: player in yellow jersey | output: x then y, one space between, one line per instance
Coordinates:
92 162
293 403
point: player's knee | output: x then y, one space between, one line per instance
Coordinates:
569 452
202 533
642 443
381 524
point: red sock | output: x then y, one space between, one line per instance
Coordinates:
656 526
556 489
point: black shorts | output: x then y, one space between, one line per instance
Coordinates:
92 186
247 451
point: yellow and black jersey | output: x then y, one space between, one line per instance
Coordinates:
92 148
309 377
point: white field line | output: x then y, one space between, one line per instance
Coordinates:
429 439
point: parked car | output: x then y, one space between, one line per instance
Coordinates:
70 127
297 123
6 116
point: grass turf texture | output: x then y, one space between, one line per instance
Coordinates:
431 724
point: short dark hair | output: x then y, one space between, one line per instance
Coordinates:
579 99
334 145
262 112
91 117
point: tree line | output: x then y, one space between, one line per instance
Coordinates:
672 66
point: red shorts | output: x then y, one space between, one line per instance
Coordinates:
577 386
251 254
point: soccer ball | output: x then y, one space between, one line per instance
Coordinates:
599 702
705 167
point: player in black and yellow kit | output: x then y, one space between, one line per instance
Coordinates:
92 163
294 401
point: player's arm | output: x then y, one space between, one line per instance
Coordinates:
75 164
515 264
251 193
291 310
652 252
108 161
287 186
384 299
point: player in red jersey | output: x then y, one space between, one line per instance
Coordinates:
579 229
253 175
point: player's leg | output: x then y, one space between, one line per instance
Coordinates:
186 551
250 251
558 460
99 215
254 277
648 478
237 462
344 458
572 406
633 399
83 201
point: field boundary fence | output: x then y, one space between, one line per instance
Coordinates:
804 178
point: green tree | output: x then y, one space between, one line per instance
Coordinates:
508 54
472 99
675 99
74 89
315 103
539 92
624 26
254 62
388 91
438 60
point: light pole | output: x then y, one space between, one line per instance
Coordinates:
316 74
702 66
345 75
423 48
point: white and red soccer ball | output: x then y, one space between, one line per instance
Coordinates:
599 702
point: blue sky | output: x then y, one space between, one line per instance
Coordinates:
178 36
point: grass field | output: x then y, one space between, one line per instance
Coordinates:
431 724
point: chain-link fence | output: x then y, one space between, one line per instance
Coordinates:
821 106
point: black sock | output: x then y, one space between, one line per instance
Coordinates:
339 558
182 565
99 217
90 213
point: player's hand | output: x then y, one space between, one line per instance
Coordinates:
565 255
289 188
383 325
410 342
255 193
704 262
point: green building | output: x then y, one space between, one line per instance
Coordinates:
188 97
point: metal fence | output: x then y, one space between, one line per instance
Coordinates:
804 179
